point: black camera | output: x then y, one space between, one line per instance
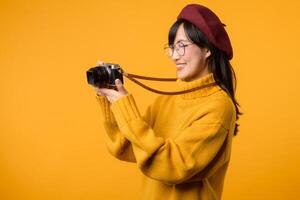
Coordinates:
104 76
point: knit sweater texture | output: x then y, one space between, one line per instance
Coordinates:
182 144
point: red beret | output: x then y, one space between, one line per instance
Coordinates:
209 23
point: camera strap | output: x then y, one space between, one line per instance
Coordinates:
133 76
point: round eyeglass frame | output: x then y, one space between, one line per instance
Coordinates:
169 49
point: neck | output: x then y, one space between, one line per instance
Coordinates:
199 75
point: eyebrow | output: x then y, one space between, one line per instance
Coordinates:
182 41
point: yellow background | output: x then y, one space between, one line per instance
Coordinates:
51 140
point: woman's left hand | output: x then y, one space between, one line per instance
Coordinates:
113 95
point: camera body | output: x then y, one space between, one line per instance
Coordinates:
104 76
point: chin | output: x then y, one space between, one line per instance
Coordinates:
183 78
181 75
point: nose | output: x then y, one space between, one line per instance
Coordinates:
175 55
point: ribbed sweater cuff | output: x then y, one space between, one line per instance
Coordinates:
125 110
105 108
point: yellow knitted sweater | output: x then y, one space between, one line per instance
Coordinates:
181 145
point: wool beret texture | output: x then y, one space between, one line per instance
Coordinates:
210 24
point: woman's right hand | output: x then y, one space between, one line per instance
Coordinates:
111 94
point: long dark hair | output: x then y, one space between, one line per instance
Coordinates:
218 63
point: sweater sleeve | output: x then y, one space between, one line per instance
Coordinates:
116 144
171 161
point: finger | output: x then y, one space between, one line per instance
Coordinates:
100 62
98 91
120 86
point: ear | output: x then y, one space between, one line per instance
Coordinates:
207 52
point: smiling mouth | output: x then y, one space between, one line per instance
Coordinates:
180 66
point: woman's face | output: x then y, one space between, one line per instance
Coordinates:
192 65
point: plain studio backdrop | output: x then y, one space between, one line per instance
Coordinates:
51 139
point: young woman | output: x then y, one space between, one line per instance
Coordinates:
182 144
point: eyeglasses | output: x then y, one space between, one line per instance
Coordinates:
179 47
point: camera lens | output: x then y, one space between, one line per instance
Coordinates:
97 76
